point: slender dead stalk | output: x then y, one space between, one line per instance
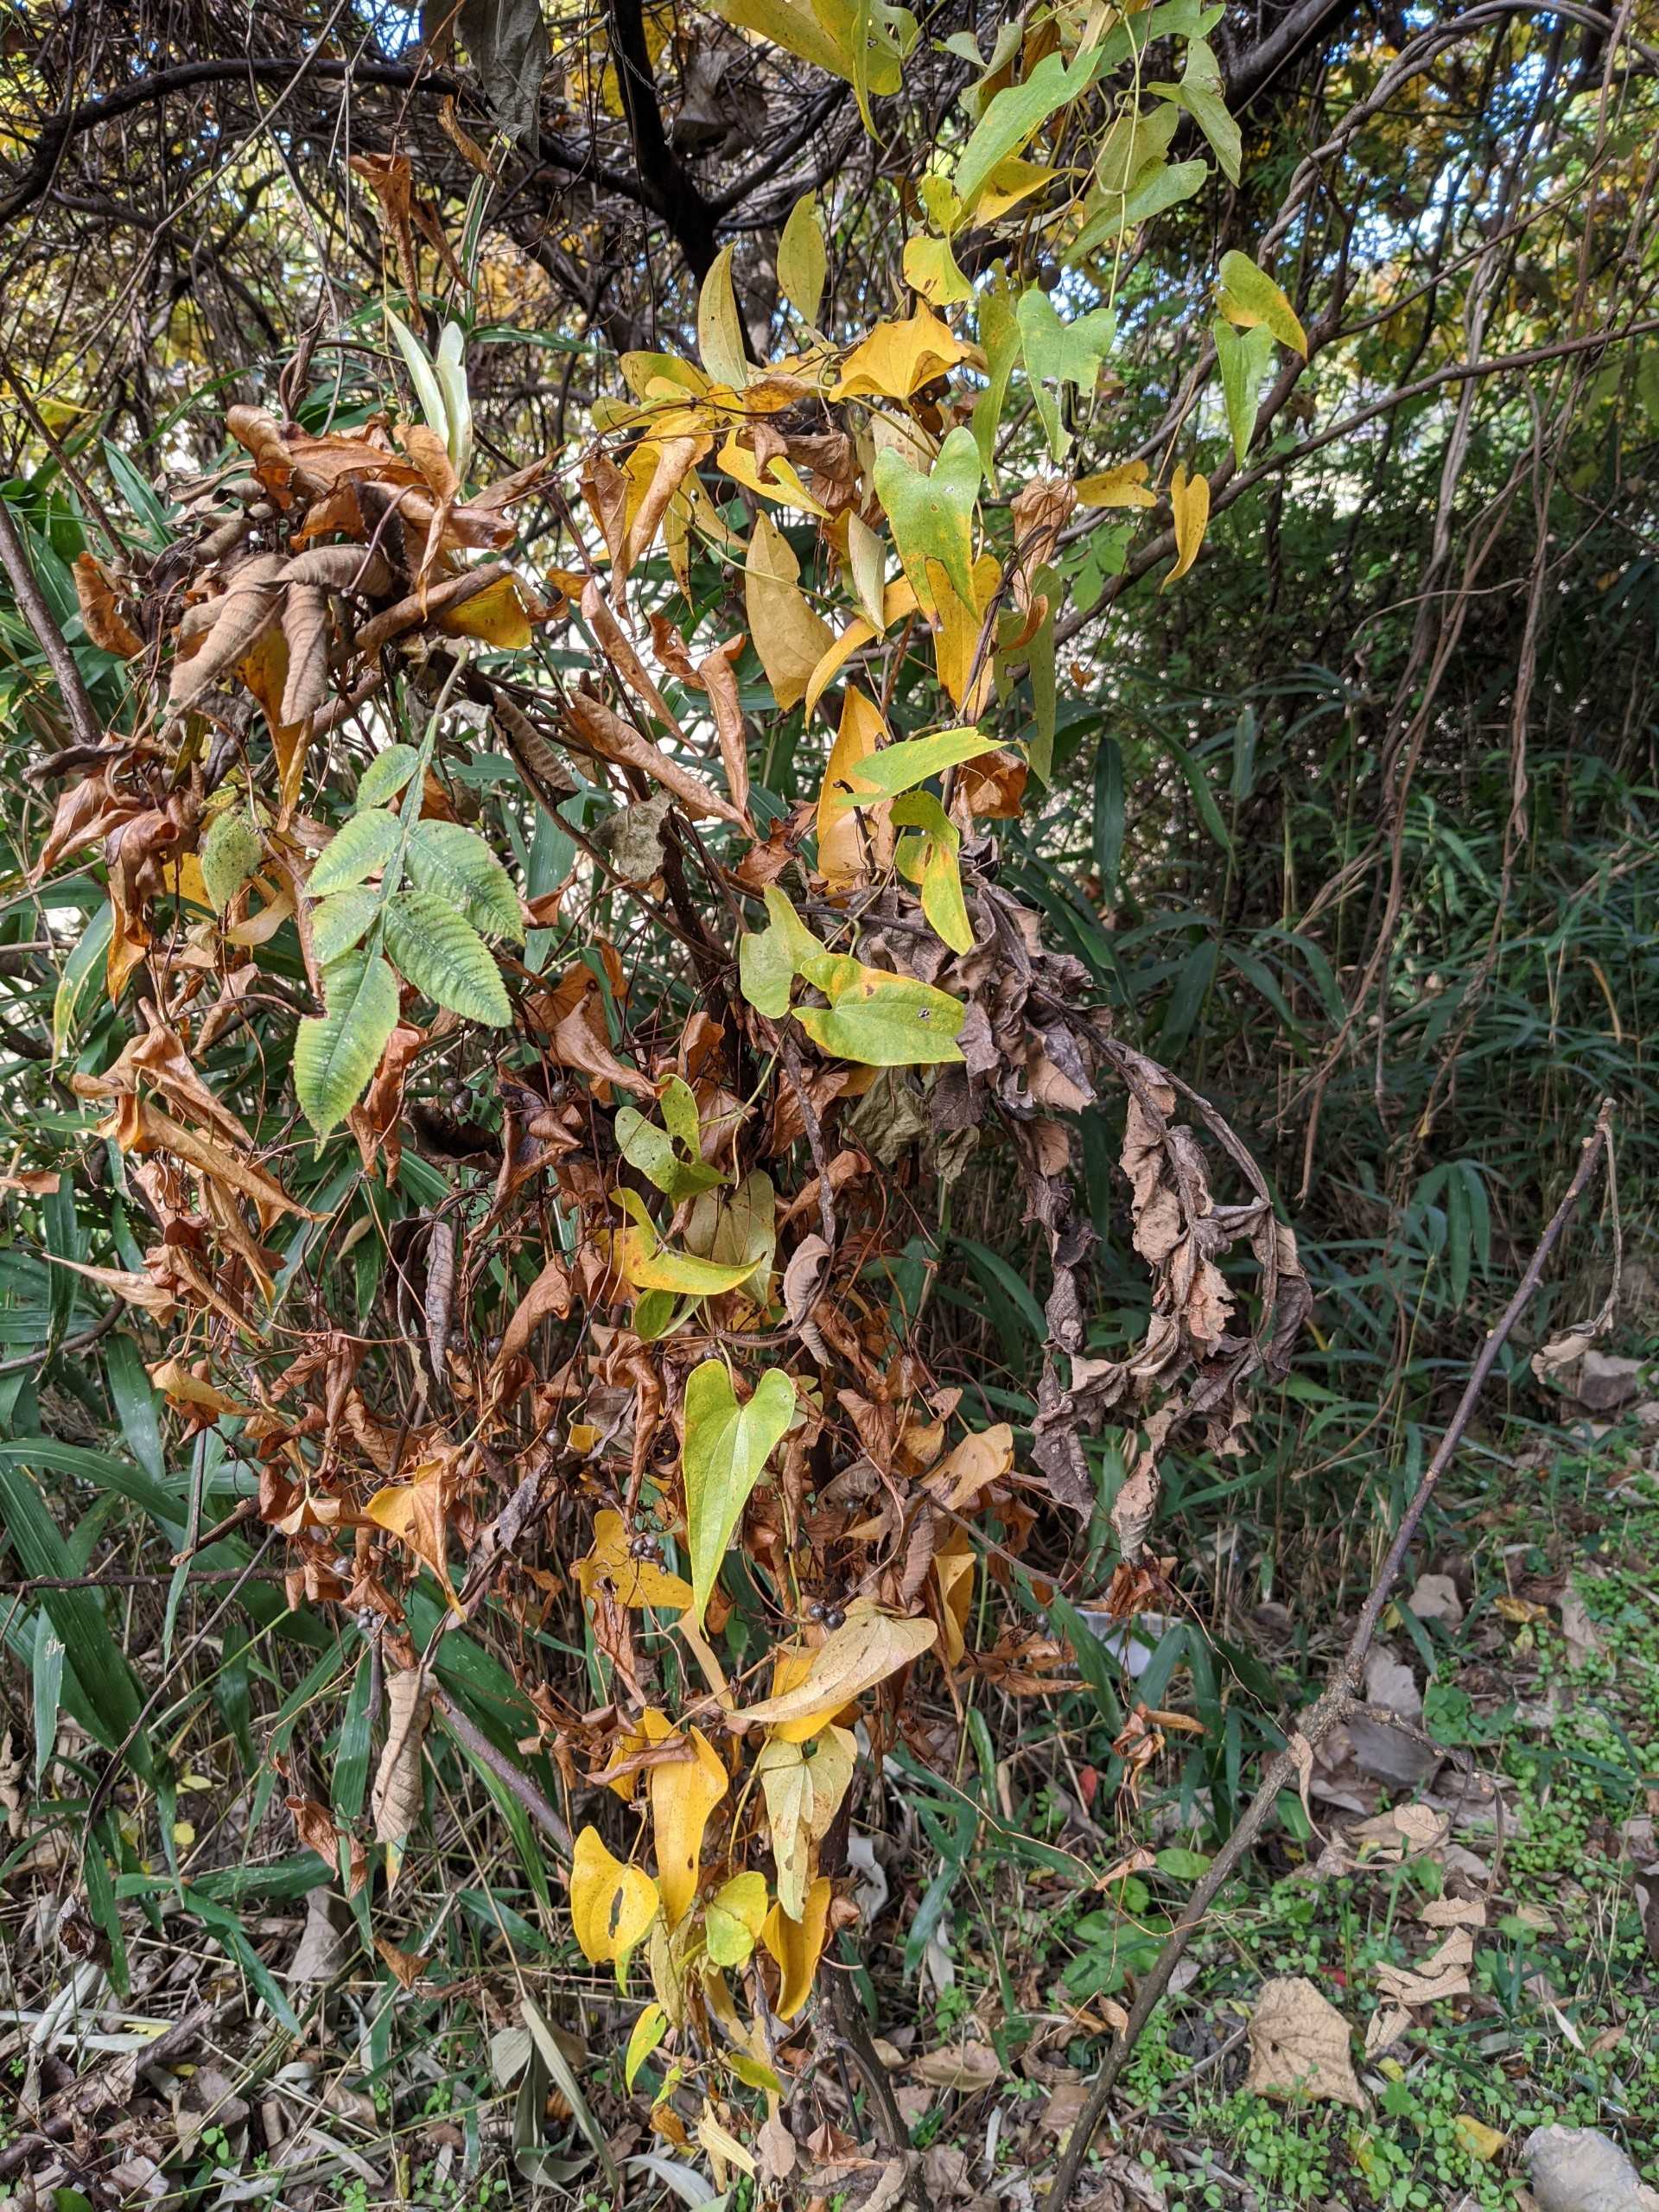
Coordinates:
1336 1698
77 700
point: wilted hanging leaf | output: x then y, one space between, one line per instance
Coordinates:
612 1905
1188 503
683 1792
416 1513
868 1646
726 1446
101 617
802 263
395 1801
611 739
797 1945
789 637
1249 297
507 42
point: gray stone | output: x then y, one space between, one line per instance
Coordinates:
1581 2169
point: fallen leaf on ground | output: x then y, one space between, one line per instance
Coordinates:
1405 1831
1298 2045
1444 1974
967 2066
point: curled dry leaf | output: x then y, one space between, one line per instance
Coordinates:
868 1646
395 1801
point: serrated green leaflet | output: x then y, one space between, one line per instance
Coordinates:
339 923
727 1446
445 957
385 776
933 516
334 1056
455 862
229 854
362 847
879 1019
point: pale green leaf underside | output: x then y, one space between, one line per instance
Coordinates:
455 862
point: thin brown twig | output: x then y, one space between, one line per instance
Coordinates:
1338 1693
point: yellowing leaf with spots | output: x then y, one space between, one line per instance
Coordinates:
612 1904
611 1570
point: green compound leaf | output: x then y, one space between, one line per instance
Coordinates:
366 844
334 1057
455 862
445 957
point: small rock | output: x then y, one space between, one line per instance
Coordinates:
1435 1599
1605 1382
1581 2169
1647 1413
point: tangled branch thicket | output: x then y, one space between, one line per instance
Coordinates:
657 1007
